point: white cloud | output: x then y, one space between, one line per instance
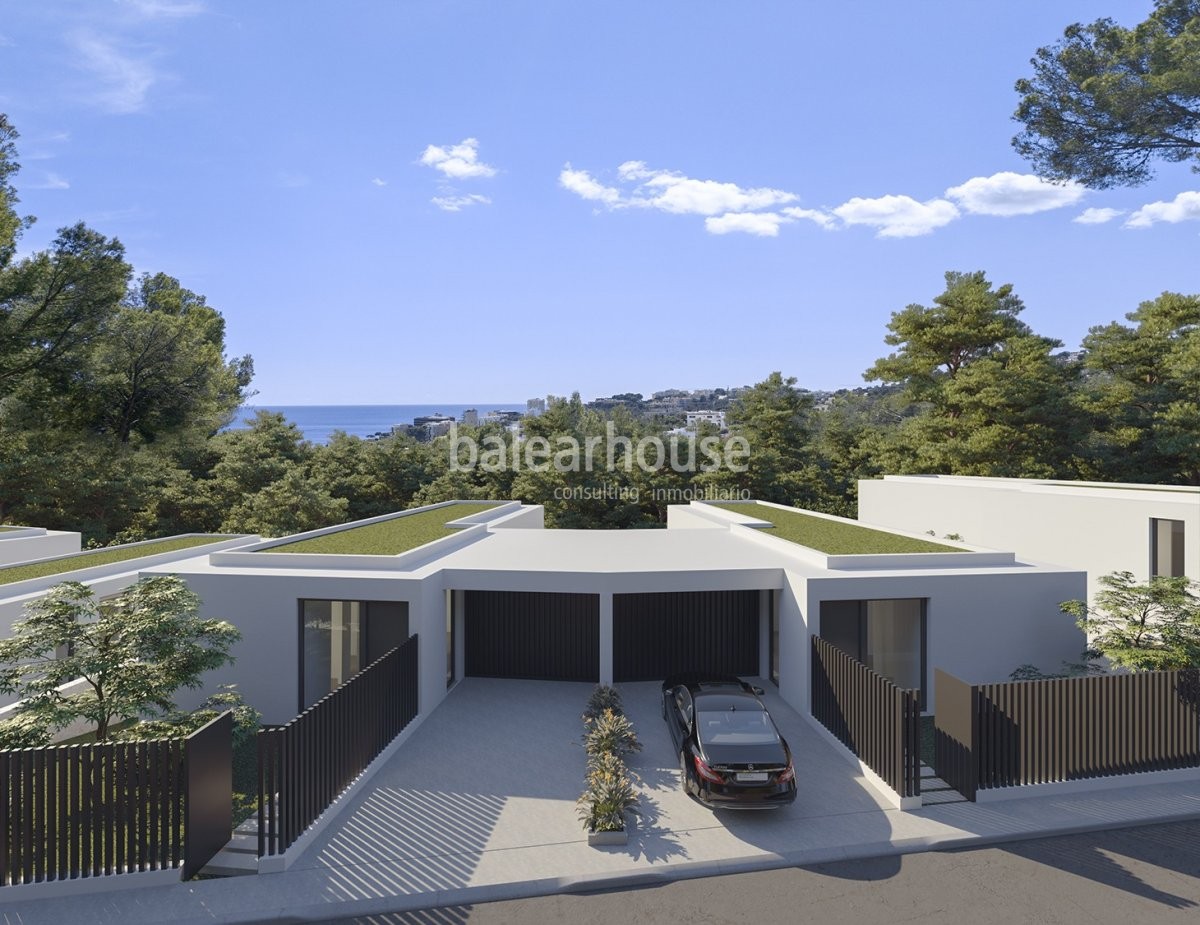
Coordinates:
458 203
762 224
379 181
670 191
458 161
585 186
1009 193
824 219
122 81
51 181
1096 216
682 195
897 216
1183 208
762 210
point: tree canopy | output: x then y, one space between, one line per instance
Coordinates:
1152 626
134 652
1106 102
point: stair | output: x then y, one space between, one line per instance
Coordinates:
238 858
935 791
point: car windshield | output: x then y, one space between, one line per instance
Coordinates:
736 727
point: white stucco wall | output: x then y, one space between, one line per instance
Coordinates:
266 609
30 544
1098 530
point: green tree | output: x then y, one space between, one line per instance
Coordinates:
1106 101
1142 394
1142 627
991 396
11 224
134 652
53 303
293 503
158 366
775 419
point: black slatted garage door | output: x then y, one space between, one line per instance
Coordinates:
532 634
655 635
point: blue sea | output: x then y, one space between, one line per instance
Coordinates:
318 422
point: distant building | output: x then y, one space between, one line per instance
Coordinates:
695 418
502 417
470 417
429 426
535 406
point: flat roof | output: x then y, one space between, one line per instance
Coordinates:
601 551
388 537
59 566
1181 493
833 537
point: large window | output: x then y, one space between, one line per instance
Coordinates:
888 636
340 638
1166 548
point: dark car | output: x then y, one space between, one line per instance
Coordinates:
730 752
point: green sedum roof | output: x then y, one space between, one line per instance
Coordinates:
389 537
84 560
831 536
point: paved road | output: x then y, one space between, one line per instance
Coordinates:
1142 875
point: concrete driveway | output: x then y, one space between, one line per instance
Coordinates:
484 792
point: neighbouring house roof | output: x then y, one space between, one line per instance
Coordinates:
389 537
834 537
65 564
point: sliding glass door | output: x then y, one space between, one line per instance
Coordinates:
888 636
340 638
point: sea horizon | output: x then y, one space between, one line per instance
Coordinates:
319 422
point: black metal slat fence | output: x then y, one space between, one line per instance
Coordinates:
871 716
75 811
305 765
1035 732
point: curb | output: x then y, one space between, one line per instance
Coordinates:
640 879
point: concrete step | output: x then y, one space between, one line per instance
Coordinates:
939 797
243 841
231 864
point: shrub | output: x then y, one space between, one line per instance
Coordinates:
603 698
609 795
609 732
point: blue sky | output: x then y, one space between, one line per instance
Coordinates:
451 201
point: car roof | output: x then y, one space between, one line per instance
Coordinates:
710 701
697 681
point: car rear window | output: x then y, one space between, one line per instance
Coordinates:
736 727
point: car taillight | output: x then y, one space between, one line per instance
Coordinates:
786 774
705 772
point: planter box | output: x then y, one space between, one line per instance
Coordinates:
608 838
604 839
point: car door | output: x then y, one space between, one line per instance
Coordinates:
681 716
